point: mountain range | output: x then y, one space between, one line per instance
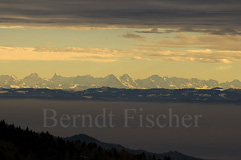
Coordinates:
125 81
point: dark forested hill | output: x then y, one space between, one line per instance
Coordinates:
19 144
174 155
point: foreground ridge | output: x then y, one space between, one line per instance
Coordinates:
19 144
171 154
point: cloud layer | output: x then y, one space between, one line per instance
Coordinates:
112 55
212 16
134 36
207 41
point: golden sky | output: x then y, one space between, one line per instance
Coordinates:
141 38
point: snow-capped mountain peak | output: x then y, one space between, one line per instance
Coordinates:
124 81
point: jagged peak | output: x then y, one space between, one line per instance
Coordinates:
55 76
33 75
126 76
155 76
111 76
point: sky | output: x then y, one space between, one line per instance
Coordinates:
183 38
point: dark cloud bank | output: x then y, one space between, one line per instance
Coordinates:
212 16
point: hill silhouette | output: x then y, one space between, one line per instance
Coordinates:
25 144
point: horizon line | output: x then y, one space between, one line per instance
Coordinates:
117 76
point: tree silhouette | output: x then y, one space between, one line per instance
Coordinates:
19 144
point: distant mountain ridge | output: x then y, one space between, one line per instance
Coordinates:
215 95
125 81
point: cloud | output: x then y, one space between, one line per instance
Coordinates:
134 36
11 27
207 41
140 58
205 56
213 16
156 30
57 54
113 55
215 31
224 67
